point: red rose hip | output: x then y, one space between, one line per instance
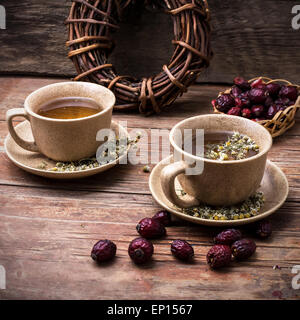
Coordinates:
150 228
225 102
246 113
182 250
243 249
273 89
103 250
272 111
257 96
289 92
257 111
219 256
164 217
236 91
241 83
263 229
140 250
269 101
259 84
228 236
282 102
235 111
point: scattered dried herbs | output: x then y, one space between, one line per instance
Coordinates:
249 208
91 163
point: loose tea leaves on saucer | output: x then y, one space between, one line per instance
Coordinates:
249 208
92 162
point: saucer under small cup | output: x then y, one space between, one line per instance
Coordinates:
274 186
30 161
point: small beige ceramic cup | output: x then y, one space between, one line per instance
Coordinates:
222 183
64 139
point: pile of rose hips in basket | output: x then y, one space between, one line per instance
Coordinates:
257 100
228 243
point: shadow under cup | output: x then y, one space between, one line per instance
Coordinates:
221 183
69 139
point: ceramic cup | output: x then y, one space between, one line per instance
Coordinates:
221 183
64 139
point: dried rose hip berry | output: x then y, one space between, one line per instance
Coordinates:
150 228
241 83
281 108
243 249
289 92
258 119
246 113
282 102
238 102
236 91
269 101
235 111
164 217
272 111
262 86
263 229
273 89
257 111
103 250
259 85
256 83
225 102
257 96
244 97
140 250
290 103
182 250
219 256
228 236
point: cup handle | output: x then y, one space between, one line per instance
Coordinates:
19 112
168 175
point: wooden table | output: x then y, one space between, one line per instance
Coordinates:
49 227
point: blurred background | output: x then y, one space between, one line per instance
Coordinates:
249 38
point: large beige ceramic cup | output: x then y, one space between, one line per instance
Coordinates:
64 139
221 183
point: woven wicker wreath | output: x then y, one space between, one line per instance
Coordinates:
90 24
283 120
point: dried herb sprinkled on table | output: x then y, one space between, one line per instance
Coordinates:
249 208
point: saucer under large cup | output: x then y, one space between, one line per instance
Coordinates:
274 185
30 161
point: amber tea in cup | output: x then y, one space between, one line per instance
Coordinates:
69 108
65 119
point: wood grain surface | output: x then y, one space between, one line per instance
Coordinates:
249 38
49 227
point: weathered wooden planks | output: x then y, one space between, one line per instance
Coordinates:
249 38
48 227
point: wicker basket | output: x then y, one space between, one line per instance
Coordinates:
91 24
283 120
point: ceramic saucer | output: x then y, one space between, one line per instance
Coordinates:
30 161
274 186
